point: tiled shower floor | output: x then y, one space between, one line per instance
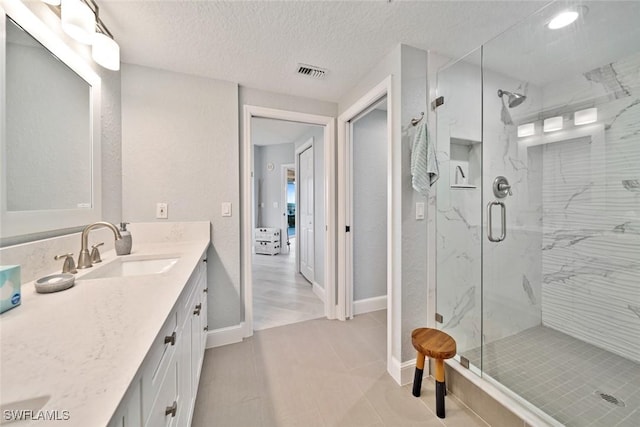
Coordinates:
563 376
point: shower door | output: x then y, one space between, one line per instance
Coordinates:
458 217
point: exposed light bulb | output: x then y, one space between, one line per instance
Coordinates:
106 52
563 19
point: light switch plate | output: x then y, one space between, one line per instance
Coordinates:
419 210
226 208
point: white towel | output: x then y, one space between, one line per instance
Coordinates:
424 165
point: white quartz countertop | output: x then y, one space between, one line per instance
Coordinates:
82 347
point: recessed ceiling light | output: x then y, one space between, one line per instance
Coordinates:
563 19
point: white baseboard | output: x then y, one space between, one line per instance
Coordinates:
369 304
224 336
394 369
319 291
404 372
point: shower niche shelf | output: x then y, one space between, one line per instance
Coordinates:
464 166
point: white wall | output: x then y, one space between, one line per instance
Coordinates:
408 68
180 146
369 206
414 232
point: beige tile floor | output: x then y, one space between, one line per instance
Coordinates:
315 373
280 295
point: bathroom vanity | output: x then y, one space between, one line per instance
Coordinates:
124 346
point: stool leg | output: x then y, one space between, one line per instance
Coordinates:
417 378
440 388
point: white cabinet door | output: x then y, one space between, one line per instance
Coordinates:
305 206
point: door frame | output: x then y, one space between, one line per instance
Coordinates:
302 148
284 186
394 219
249 112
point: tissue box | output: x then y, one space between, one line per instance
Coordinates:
9 287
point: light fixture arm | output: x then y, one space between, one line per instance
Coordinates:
99 24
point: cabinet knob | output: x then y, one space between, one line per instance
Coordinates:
206 328
204 260
170 339
197 310
171 410
205 290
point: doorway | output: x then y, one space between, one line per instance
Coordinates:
367 209
275 290
389 170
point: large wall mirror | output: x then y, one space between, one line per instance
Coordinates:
51 130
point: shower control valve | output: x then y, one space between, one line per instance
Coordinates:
501 187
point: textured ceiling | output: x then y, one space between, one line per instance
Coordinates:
259 43
271 131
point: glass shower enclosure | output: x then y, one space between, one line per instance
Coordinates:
538 212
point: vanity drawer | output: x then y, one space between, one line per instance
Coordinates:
157 361
167 399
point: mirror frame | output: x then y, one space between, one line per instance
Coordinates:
18 223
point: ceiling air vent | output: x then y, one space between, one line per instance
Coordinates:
311 71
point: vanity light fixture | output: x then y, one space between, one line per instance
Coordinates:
563 19
552 124
81 20
106 52
584 117
526 129
78 20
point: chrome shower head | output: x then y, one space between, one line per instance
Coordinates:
515 99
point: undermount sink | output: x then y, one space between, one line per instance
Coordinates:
122 267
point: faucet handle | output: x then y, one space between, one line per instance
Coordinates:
69 265
95 253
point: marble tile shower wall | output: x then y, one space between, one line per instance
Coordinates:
512 269
512 290
591 216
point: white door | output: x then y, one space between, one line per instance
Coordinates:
305 209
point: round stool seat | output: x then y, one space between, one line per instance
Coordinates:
433 343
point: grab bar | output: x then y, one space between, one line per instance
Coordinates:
503 218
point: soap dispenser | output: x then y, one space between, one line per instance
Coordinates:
123 246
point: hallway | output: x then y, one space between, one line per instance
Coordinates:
280 295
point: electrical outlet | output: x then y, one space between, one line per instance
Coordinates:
162 210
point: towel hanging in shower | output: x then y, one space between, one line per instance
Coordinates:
424 165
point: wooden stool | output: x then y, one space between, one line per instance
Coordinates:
436 345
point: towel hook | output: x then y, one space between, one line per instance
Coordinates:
417 120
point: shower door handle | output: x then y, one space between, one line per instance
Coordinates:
503 221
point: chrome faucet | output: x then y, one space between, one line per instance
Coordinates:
84 260
459 169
